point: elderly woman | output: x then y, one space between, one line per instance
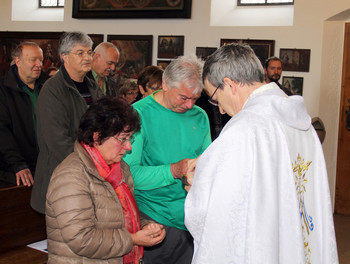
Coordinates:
91 214
129 90
150 80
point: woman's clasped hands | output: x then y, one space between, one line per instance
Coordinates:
150 235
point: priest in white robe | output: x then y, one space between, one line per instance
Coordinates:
260 191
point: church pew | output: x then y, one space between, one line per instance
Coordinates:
20 225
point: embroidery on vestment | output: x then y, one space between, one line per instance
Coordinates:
300 168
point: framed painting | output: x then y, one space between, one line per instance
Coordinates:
135 54
293 84
96 39
132 8
48 41
170 46
204 52
295 59
163 63
262 48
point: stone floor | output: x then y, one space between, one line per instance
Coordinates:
342 230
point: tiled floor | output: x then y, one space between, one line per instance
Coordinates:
342 231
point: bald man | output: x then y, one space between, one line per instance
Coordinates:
103 64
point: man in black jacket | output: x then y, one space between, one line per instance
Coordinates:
19 92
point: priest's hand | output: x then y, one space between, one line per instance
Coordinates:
190 173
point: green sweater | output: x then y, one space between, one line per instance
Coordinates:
166 137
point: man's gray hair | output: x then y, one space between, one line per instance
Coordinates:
237 62
187 70
17 51
70 39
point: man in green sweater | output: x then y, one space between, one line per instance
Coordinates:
173 131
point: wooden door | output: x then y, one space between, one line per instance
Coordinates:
342 192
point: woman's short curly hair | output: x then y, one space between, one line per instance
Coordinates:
108 116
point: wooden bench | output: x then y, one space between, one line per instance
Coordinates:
20 225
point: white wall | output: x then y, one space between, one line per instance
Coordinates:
227 13
28 10
307 33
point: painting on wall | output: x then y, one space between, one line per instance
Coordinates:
135 54
163 63
295 59
132 8
204 52
293 84
262 48
170 46
48 41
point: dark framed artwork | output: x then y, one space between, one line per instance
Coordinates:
132 8
48 41
262 48
97 39
170 46
204 52
135 53
163 63
295 59
293 84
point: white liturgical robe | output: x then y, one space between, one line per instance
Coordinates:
260 191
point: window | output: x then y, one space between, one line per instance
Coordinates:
227 13
51 3
264 2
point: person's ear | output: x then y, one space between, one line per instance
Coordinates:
164 86
17 61
142 91
96 137
230 85
64 58
96 56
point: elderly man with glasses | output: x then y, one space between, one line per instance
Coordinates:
260 191
63 100
173 131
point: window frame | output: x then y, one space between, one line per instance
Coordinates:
56 6
239 3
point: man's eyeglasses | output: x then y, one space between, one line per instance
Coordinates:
211 100
81 53
123 141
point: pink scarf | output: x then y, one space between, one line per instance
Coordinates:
114 176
